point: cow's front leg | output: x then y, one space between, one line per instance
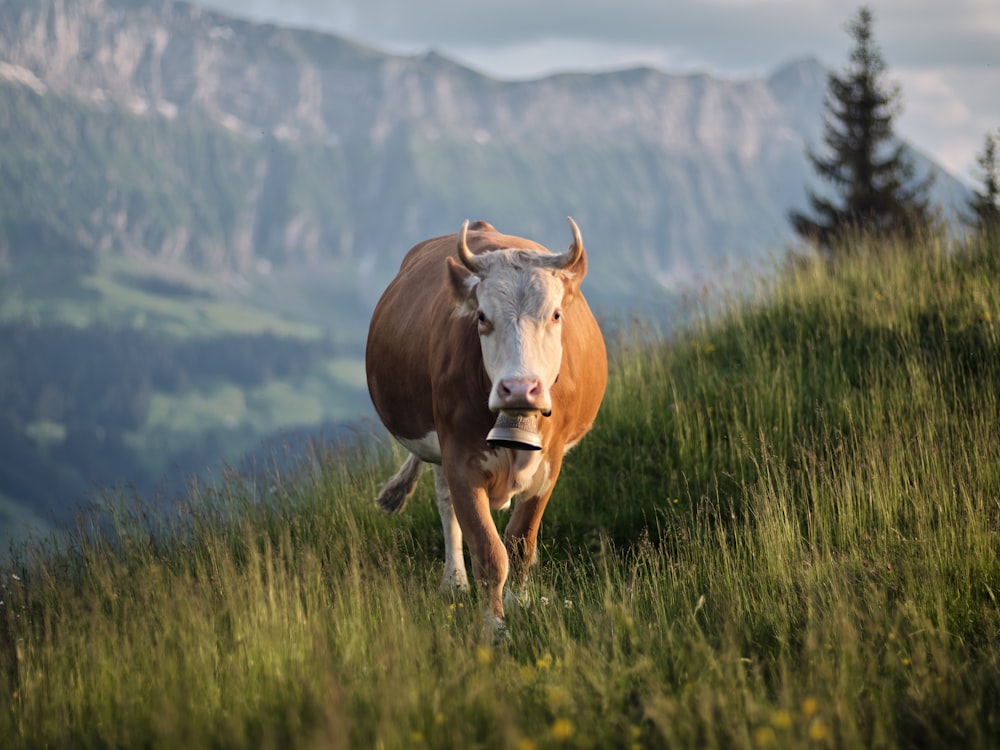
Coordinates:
521 534
521 540
489 556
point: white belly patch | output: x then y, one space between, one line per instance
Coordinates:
427 448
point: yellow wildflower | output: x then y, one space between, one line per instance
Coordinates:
817 730
809 706
763 737
561 730
781 719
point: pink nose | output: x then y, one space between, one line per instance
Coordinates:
520 393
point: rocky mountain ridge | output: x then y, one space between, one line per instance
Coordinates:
319 140
175 59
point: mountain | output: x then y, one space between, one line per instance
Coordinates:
192 183
262 142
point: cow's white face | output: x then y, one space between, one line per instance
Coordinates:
519 314
517 298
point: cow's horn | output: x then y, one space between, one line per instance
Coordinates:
572 255
464 254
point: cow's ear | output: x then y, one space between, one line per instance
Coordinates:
463 285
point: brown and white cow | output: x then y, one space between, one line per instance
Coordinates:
477 325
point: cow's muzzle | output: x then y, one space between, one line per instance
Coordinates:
521 394
517 430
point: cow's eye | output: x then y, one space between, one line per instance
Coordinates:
557 316
484 323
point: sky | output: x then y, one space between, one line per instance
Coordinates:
944 54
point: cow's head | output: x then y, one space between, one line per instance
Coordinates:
518 297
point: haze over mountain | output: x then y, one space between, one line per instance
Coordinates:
154 151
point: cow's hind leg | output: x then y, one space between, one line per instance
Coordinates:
392 499
455 576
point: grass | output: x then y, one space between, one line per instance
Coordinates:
783 532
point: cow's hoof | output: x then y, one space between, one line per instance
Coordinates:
496 630
454 581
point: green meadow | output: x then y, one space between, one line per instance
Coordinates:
783 531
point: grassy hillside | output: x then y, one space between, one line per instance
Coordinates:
783 532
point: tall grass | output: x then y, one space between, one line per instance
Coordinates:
783 531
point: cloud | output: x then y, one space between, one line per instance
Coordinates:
734 33
944 110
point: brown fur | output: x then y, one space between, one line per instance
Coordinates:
426 374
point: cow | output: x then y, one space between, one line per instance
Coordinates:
484 360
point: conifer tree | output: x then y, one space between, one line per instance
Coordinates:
985 205
871 176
